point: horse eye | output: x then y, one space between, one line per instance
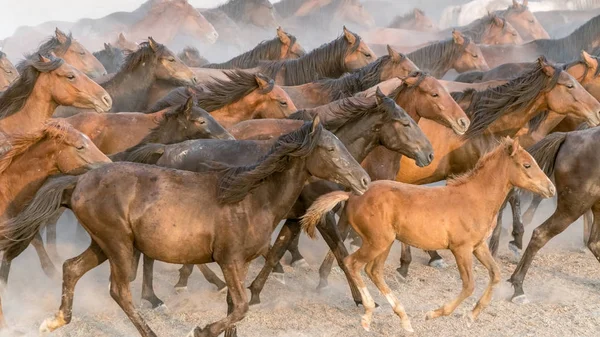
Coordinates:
570 86
514 34
331 149
435 95
475 56
71 77
171 59
531 21
367 54
200 121
80 147
283 103
526 166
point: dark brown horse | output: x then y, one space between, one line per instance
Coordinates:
282 47
153 199
458 53
44 84
346 53
73 52
112 58
190 56
322 92
8 72
53 148
573 159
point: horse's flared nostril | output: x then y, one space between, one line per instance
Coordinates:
430 157
364 182
107 101
552 190
194 80
463 123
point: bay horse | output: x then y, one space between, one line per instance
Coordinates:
523 20
8 74
324 91
112 58
44 84
275 182
51 148
244 96
414 20
74 53
458 53
572 159
586 37
362 124
283 46
346 53
458 217
489 30
124 44
190 56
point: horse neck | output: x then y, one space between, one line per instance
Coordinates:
326 69
409 104
130 91
38 108
511 122
234 113
359 139
23 177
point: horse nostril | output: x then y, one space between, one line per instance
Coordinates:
364 181
107 100
462 122
194 80
552 189
430 157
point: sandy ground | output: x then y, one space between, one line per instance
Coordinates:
563 286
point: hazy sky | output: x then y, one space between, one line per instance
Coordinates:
17 13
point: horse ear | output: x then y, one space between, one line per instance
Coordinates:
590 62
525 3
187 107
498 22
418 14
514 147
263 83
121 37
379 96
43 58
107 46
315 123
283 37
515 4
412 78
350 37
60 36
153 45
394 55
547 68
458 37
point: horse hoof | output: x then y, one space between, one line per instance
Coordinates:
51 324
222 290
195 332
430 315
353 248
407 326
337 270
180 290
322 286
366 324
399 278
516 252
521 299
300 264
469 318
279 277
161 308
438 264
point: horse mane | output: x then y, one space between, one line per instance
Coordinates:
13 99
174 97
2 54
462 179
400 19
220 92
236 182
142 56
20 143
288 7
51 45
565 49
489 105
236 9
190 62
476 29
265 50
357 81
439 56
422 75
315 65
460 96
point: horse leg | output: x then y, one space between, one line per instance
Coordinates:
530 211
297 258
4 271
593 242
51 233
435 260
211 277
73 270
184 275
495 238
464 262
516 245
234 275
343 230
405 260
47 265
147 283
588 221
355 240
562 218
483 254
289 231
135 263
375 272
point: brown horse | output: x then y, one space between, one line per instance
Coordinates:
572 159
322 16
244 96
44 84
259 13
346 53
124 44
54 147
524 21
249 200
489 30
458 53
190 56
8 73
282 47
111 57
73 52
314 94
415 20
458 217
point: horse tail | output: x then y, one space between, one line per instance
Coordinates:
470 77
17 233
317 210
147 154
544 152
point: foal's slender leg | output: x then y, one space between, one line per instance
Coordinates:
234 276
516 245
355 262
47 265
375 272
147 284
530 211
343 230
482 253
464 261
73 270
405 260
562 218
184 275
